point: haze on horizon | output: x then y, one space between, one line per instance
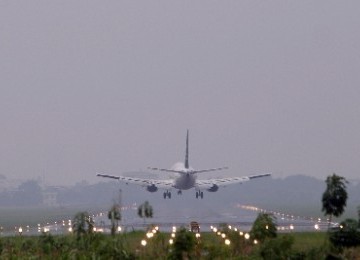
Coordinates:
112 86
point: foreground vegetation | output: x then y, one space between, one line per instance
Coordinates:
209 245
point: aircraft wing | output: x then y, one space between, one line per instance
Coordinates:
210 183
162 184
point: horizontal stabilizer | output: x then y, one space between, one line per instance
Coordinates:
211 170
164 170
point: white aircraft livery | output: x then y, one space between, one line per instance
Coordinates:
186 179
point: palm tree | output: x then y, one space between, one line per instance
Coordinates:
335 196
145 210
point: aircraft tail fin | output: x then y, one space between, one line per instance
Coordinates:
187 151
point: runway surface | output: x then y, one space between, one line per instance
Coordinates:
239 216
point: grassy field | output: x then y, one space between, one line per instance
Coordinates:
304 241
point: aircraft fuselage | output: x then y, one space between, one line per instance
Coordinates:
185 181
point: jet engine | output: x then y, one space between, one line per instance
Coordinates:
213 188
151 188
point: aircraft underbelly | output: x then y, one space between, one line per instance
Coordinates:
185 182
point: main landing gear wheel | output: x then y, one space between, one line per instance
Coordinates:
167 194
199 194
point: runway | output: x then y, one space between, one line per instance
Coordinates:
239 216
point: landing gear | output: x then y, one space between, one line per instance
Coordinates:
179 192
199 194
167 194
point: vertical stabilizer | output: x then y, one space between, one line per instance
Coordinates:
187 151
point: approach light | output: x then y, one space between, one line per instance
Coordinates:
227 242
247 236
143 242
171 241
223 235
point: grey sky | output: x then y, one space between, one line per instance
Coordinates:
112 86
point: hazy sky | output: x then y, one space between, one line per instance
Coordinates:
112 86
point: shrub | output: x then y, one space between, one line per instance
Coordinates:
347 235
279 248
184 245
263 227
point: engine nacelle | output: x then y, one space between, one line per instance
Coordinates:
151 188
213 188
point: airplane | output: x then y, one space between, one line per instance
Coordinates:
186 179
